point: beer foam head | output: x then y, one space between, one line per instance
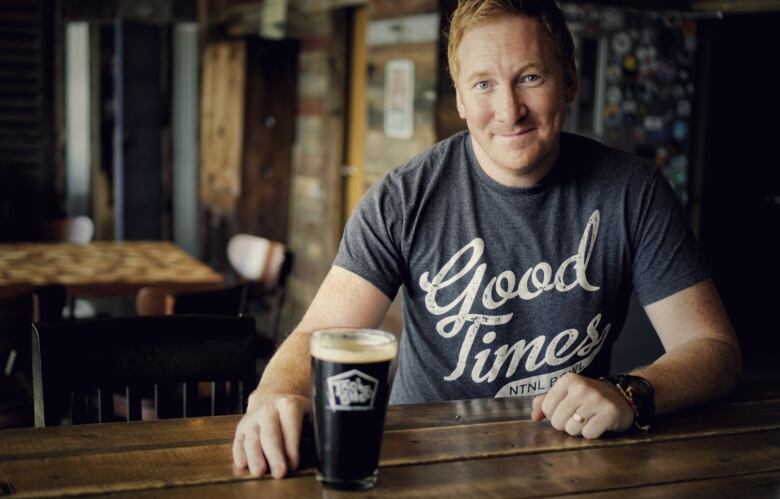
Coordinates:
353 346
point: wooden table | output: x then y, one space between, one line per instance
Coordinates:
101 267
474 448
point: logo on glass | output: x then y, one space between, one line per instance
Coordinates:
352 391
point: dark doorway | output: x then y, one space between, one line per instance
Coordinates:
740 217
142 113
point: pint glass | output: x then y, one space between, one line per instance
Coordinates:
349 392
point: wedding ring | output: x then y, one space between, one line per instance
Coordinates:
578 418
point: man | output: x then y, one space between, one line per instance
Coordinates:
518 247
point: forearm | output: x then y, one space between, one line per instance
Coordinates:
692 373
289 369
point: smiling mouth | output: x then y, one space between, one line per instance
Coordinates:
516 133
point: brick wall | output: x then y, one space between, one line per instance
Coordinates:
317 190
315 199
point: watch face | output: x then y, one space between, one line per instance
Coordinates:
641 386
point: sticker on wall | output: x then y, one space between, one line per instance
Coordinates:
614 73
614 95
621 43
647 91
680 161
629 109
654 127
690 43
574 13
661 157
612 19
629 63
653 123
684 108
399 99
683 58
680 130
612 115
647 36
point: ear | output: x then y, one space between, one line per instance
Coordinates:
459 103
570 83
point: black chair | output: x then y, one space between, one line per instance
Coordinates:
16 313
77 365
154 300
226 301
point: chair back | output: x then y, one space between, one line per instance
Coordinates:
77 230
226 301
78 359
44 303
257 259
229 301
154 300
16 314
266 265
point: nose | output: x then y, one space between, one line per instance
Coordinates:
510 106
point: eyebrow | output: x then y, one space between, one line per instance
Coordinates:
480 75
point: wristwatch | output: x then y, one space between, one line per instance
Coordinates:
640 395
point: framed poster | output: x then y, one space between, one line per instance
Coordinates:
399 99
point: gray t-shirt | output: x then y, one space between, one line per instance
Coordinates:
506 289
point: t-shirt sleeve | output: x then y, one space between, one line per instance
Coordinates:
667 258
370 246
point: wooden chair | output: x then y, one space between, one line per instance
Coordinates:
77 230
73 360
265 265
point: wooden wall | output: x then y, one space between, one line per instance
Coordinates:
30 185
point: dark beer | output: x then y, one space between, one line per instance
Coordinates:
350 391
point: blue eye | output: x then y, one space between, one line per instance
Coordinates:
531 79
482 85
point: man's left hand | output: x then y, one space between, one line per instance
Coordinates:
583 406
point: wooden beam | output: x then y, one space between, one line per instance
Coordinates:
356 121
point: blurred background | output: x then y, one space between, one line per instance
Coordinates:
194 120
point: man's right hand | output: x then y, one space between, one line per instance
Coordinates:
268 436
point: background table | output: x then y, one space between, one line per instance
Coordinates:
102 267
473 448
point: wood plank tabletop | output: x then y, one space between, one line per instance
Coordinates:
492 450
102 267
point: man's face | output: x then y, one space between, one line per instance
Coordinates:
512 93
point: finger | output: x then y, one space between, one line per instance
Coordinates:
555 395
273 445
239 456
291 418
536 408
254 452
595 426
564 411
578 420
574 427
